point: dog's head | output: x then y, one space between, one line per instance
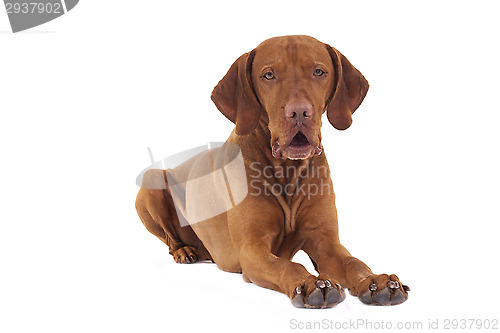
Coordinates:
287 83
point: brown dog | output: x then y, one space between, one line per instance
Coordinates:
276 95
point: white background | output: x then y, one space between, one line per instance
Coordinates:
83 96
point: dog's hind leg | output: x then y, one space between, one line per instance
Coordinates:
156 209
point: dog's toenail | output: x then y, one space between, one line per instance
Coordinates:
372 287
406 288
328 283
393 284
320 284
339 287
298 291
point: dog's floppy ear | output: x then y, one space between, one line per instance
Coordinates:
235 97
349 91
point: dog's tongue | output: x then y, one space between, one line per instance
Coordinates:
276 150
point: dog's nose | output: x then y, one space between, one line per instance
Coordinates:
299 111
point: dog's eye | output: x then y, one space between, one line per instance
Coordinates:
319 72
269 76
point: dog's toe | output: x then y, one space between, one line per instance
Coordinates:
316 298
298 299
382 297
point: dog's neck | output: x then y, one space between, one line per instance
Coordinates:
288 176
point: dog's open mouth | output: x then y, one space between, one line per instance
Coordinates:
299 148
299 140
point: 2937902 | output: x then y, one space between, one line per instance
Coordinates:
33 7
468 324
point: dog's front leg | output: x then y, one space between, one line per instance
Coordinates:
254 236
332 258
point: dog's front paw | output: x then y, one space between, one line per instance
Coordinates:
317 293
382 290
